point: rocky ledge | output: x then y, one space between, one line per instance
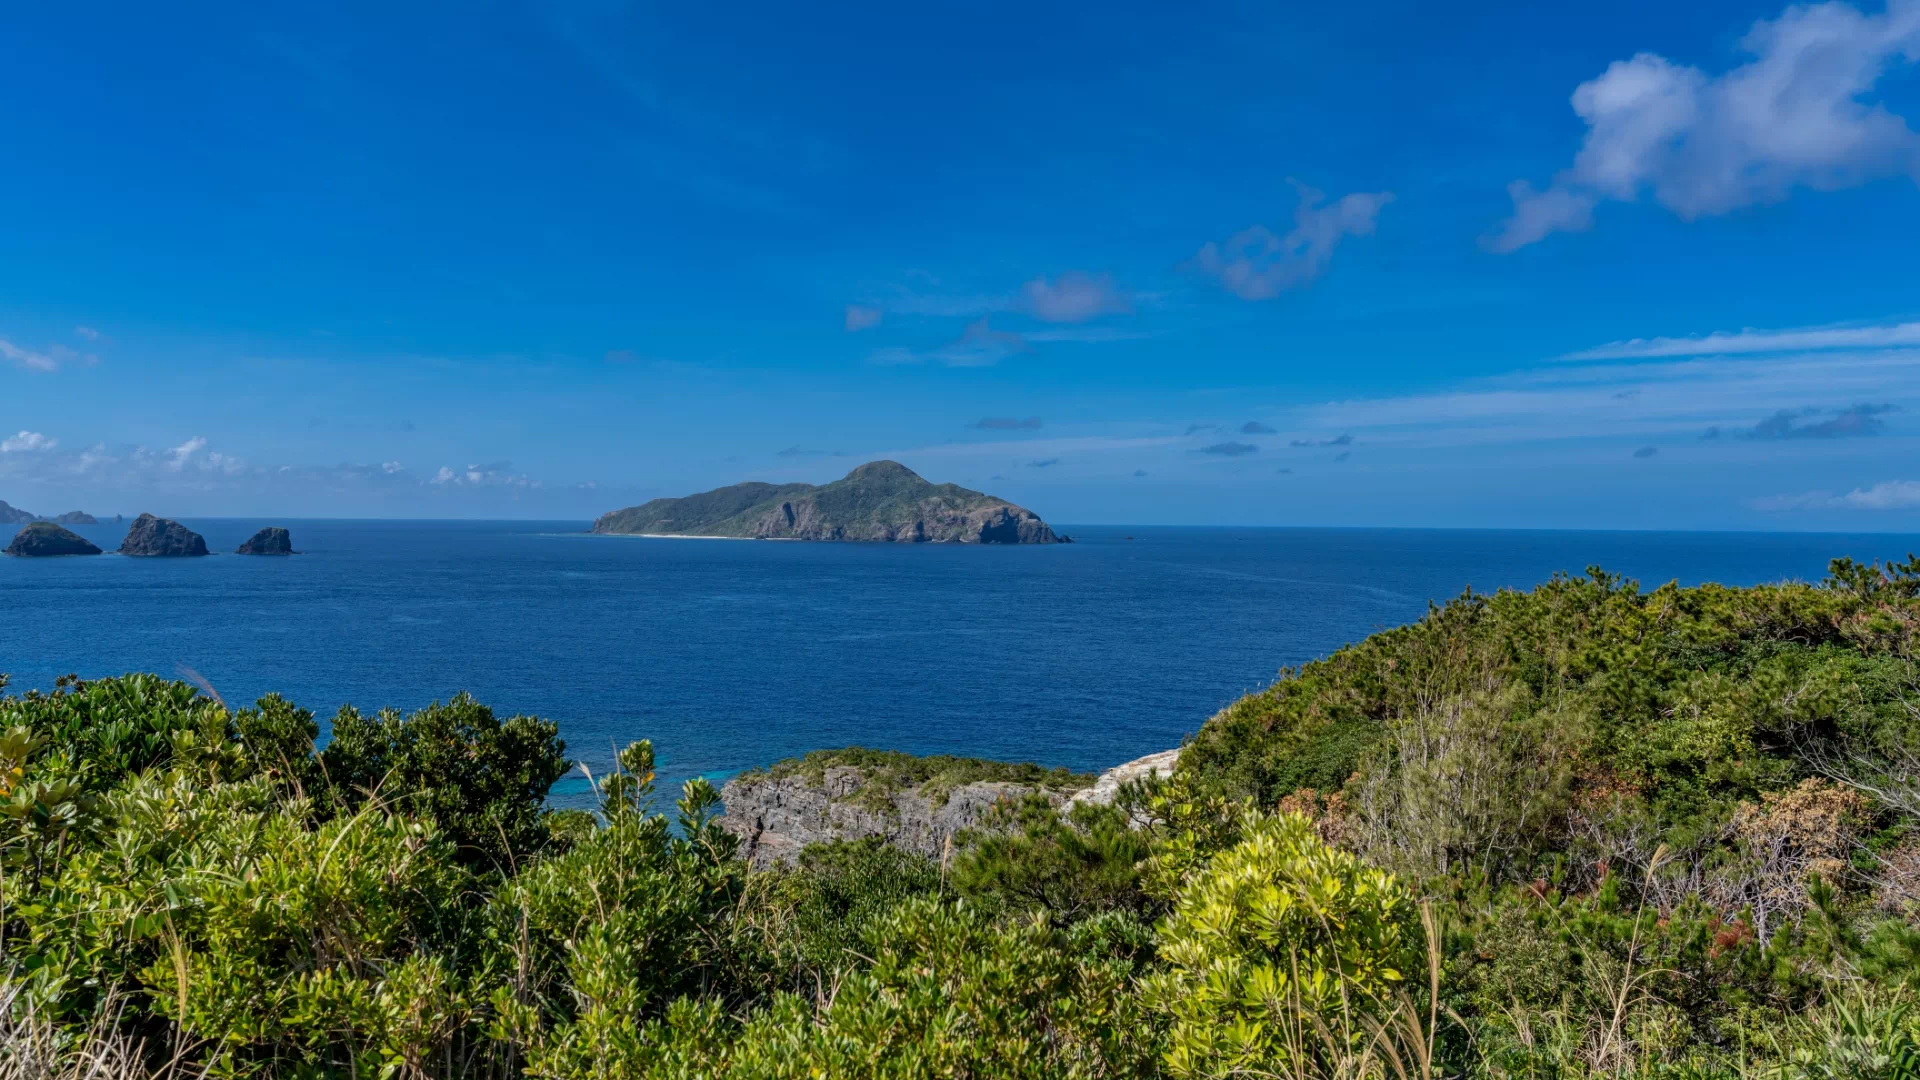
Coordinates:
43 538
914 803
269 541
161 537
843 795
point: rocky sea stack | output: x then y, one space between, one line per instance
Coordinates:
269 541
161 537
879 501
44 538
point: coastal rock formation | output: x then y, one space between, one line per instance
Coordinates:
13 515
161 537
1107 788
44 538
75 517
879 501
269 541
776 814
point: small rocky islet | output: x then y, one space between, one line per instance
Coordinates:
158 537
43 539
272 540
149 537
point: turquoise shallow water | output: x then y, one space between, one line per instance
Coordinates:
734 653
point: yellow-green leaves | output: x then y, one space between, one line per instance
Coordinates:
1276 944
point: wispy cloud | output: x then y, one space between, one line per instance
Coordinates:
862 317
27 442
1074 297
1886 495
1646 452
494 474
1805 339
979 345
178 457
1342 439
1007 423
1851 422
1043 463
1700 144
1257 264
1255 427
28 358
86 333
1230 449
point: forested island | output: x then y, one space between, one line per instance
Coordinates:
879 501
1586 830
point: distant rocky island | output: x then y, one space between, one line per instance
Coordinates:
149 537
43 538
880 501
13 515
161 537
269 541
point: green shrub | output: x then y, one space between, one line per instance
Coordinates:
1275 938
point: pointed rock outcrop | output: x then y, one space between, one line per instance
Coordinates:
161 537
273 540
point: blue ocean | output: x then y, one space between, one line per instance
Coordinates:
730 654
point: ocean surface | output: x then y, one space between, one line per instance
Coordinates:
730 654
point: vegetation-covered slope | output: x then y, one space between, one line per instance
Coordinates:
1579 832
881 500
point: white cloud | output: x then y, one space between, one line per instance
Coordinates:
1886 495
178 457
27 441
87 333
1255 264
862 317
497 474
1073 297
27 358
1791 117
1806 339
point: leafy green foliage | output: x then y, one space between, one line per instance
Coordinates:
481 779
1666 833
1278 927
934 776
1028 857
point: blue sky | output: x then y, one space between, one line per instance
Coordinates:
1649 266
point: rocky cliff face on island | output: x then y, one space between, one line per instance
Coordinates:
161 537
778 812
912 803
879 501
269 541
13 515
44 538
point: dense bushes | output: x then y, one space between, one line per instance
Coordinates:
1585 830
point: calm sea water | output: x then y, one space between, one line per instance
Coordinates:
731 654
